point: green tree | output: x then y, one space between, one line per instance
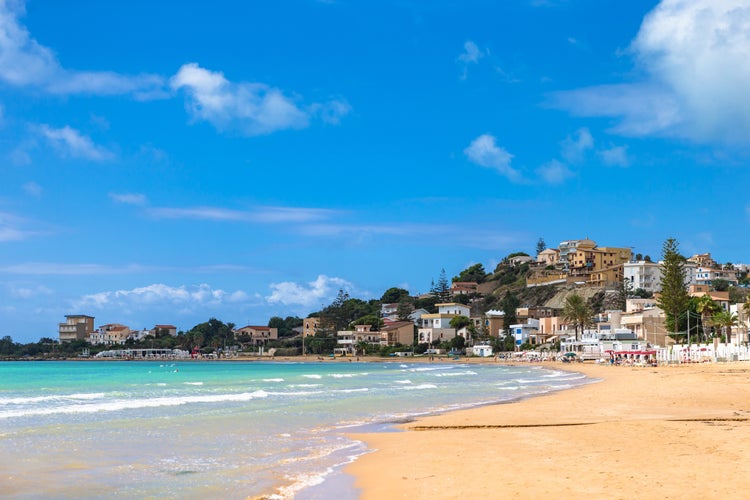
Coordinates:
673 299
427 303
707 308
212 333
459 322
624 292
725 320
541 246
442 289
393 295
369 319
285 326
473 274
576 312
362 346
404 309
508 305
720 285
7 346
458 342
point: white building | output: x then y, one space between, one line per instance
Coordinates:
347 340
643 274
482 350
523 333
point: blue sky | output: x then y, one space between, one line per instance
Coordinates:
175 162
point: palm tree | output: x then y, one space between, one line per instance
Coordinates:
576 312
725 320
361 346
707 307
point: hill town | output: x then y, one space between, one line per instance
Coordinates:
579 298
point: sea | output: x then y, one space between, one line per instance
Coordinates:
223 429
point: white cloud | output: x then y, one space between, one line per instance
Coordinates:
308 295
129 198
11 228
694 59
251 108
70 142
332 111
62 269
470 55
29 292
25 62
269 215
160 294
401 229
45 268
574 148
484 151
20 157
616 156
33 189
554 172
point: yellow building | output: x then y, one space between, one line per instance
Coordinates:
587 259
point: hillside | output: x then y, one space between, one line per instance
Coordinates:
511 279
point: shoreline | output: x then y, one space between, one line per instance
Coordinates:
668 431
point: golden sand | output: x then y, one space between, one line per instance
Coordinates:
666 432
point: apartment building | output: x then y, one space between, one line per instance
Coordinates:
76 327
643 274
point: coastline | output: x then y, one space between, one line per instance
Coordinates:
671 432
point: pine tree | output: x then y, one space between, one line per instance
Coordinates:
673 298
442 290
540 246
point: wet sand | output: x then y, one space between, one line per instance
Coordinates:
639 432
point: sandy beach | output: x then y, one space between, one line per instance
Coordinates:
644 432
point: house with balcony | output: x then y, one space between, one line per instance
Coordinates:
258 335
643 274
76 327
647 321
551 329
110 334
588 259
347 340
707 275
397 333
437 326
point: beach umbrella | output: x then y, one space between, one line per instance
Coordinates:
570 354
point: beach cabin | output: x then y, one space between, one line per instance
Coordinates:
482 350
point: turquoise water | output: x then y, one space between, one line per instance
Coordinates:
219 429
